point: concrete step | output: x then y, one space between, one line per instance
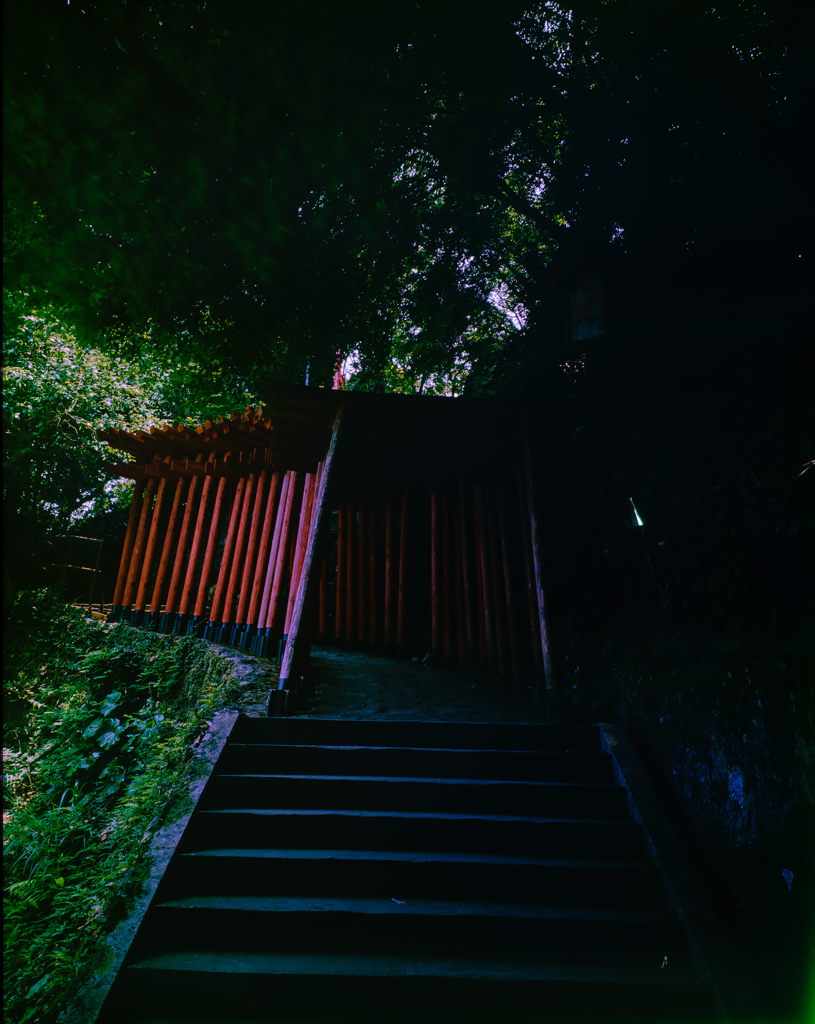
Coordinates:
416 762
426 928
332 988
351 872
413 830
442 735
388 793
409 875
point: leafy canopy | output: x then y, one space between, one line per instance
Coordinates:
271 184
58 391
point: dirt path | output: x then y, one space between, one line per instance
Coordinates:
350 685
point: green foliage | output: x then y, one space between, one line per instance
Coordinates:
268 184
337 184
57 393
99 729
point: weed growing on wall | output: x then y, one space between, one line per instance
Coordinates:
100 725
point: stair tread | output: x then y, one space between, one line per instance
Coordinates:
380 965
418 856
556 908
432 815
438 908
419 733
417 778
399 748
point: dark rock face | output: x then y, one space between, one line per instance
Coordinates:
695 631
730 743
736 752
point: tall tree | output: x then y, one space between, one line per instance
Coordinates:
57 393
270 184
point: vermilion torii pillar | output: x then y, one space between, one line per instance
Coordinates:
224 515
295 653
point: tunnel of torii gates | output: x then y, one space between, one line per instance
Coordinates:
403 524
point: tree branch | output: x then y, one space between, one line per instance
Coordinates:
523 206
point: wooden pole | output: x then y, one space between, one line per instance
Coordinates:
185 606
168 551
237 567
512 616
350 576
291 553
323 627
469 610
460 619
197 625
299 547
276 606
373 588
339 613
168 620
262 559
264 628
534 531
127 551
150 550
482 635
448 584
313 513
317 569
485 580
390 566
436 583
362 577
249 562
529 570
498 596
312 526
295 653
134 570
401 617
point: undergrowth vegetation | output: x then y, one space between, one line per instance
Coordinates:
100 726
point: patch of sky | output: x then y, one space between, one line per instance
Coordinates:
512 308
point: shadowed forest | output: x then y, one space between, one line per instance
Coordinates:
599 211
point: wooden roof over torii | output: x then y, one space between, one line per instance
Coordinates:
386 437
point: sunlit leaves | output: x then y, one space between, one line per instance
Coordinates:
59 391
281 165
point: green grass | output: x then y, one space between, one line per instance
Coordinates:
100 727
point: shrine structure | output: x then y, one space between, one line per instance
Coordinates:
400 523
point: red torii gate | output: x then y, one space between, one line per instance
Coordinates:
232 533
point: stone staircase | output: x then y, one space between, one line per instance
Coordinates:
386 871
